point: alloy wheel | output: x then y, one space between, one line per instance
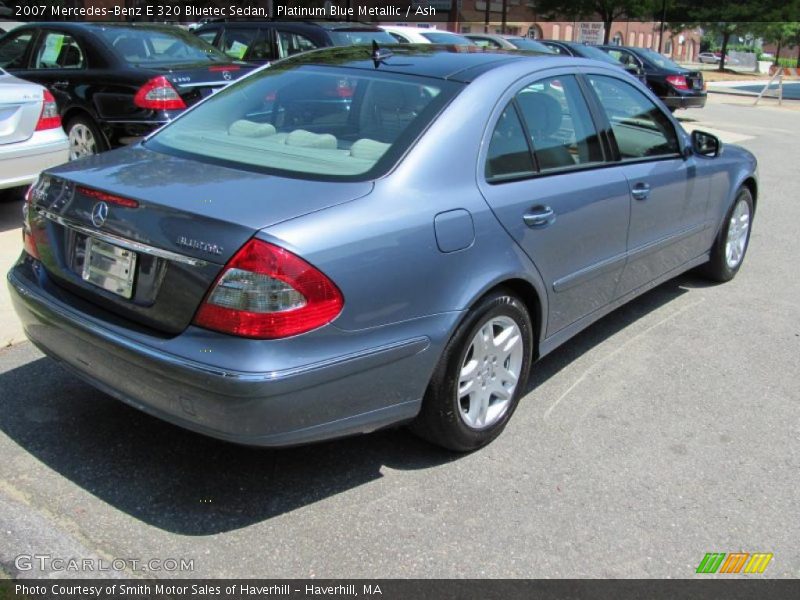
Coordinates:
490 372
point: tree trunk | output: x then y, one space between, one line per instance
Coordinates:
607 23
726 35
778 48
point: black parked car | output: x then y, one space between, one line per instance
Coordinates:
587 51
115 83
677 87
264 41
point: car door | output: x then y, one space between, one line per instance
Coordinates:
59 63
547 179
668 201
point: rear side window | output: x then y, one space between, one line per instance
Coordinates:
509 155
314 121
13 49
559 123
58 51
151 47
641 129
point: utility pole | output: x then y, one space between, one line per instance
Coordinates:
505 17
663 18
486 18
454 15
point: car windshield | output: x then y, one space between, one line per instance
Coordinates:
313 121
529 44
597 54
356 37
440 37
659 59
160 46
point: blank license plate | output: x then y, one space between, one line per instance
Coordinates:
109 267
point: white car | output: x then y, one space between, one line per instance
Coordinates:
31 136
708 57
421 35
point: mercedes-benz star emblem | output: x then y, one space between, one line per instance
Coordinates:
99 214
226 75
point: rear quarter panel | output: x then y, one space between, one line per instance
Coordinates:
381 250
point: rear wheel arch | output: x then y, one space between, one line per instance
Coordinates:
528 294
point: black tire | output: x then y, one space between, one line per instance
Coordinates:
85 121
718 268
440 420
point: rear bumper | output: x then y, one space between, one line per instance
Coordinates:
687 101
124 133
346 393
21 163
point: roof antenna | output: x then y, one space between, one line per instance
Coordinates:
379 54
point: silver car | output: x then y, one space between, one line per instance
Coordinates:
31 137
355 238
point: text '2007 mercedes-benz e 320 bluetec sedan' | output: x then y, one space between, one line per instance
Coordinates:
357 238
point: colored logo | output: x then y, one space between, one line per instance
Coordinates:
735 562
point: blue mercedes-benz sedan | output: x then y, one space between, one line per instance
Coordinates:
356 238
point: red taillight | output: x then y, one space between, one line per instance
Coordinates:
224 68
158 94
267 292
49 117
28 241
678 82
110 198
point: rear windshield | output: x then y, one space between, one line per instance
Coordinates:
659 59
309 121
597 54
529 44
151 47
356 37
439 37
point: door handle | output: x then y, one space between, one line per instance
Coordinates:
640 191
539 216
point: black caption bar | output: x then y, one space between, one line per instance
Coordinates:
394 589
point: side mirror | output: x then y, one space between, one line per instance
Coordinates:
706 144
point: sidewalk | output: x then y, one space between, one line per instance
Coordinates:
10 248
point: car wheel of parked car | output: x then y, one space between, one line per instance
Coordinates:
481 376
728 252
85 138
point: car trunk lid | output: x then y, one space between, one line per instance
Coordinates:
178 220
20 107
194 81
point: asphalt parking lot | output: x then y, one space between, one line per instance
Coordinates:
667 430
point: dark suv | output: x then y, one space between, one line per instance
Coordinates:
677 87
264 41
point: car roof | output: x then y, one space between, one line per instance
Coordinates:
91 26
456 63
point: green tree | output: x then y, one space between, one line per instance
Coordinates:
726 20
608 11
781 34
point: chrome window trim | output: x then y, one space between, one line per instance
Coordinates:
121 241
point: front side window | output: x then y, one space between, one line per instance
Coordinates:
485 42
640 128
208 36
559 123
13 49
59 51
316 121
360 37
290 43
236 42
